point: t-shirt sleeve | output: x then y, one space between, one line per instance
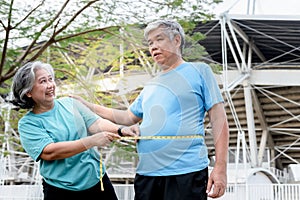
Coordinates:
88 116
136 107
210 87
33 137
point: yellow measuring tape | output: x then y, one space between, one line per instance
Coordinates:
149 137
160 137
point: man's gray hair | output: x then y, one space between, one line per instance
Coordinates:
172 28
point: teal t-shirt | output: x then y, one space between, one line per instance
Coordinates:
67 121
174 104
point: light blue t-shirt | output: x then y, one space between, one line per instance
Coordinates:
174 104
67 121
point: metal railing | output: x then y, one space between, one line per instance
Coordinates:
126 192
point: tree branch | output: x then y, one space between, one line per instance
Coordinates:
41 48
22 57
52 39
32 11
7 31
3 24
75 16
85 32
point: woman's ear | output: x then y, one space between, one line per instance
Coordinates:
28 94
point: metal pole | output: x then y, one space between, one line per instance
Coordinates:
250 124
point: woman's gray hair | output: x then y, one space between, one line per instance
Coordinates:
172 28
23 82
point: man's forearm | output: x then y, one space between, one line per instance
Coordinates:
220 130
221 140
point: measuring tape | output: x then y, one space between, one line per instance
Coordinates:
160 137
149 137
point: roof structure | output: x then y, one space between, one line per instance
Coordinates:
260 56
273 39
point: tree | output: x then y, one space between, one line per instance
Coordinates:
28 28
78 36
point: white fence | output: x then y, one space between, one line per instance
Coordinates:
126 192
262 192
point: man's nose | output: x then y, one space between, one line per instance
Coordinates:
153 46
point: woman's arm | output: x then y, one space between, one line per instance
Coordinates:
61 150
124 117
106 125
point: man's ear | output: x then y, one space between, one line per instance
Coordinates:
177 40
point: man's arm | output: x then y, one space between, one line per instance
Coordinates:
220 131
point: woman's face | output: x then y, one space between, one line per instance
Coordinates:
43 90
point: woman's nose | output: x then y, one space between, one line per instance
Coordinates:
50 83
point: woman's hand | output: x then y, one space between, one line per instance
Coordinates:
133 130
79 98
100 139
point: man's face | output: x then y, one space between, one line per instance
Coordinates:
163 50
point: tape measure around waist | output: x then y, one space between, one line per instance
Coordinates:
161 137
154 137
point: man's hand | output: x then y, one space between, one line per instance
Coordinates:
217 181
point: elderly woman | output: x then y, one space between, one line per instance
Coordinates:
63 135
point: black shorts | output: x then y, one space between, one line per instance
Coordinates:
55 193
191 186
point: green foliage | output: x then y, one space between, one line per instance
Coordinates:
41 24
193 51
216 68
86 41
4 89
